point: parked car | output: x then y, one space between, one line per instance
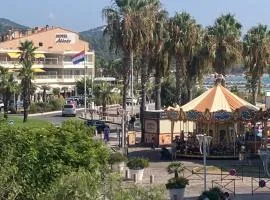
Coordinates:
100 125
69 109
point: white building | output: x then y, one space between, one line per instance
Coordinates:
53 59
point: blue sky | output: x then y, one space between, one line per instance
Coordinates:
81 15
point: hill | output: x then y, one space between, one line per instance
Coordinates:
6 25
98 42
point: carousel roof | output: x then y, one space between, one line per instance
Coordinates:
216 99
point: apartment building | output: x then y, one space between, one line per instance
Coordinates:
53 58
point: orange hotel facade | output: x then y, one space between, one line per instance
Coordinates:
53 58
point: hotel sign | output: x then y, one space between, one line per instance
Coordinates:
65 38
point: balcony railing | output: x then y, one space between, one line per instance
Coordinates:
57 77
46 61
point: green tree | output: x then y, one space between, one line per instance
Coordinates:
159 53
103 93
65 89
33 159
80 85
45 88
184 33
225 36
56 92
256 56
27 49
7 87
128 27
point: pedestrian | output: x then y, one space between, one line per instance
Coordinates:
153 143
106 134
227 196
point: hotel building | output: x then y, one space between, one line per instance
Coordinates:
53 58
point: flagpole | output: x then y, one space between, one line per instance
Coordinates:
84 83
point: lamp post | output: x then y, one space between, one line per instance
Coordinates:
204 142
123 114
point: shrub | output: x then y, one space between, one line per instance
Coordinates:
137 163
177 183
57 104
34 158
213 194
117 157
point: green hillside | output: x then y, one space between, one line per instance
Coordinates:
98 42
6 25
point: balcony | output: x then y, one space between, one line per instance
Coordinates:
56 78
47 62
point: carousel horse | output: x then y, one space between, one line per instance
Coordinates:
208 139
265 157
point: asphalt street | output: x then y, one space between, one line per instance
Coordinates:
57 119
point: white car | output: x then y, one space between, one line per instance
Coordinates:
69 110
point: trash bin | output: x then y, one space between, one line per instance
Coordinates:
131 138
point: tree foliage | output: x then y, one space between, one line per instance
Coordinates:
33 159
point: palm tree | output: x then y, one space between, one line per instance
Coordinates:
27 49
256 56
103 93
225 35
183 31
159 53
65 89
7 87
56 92
44 93
128 27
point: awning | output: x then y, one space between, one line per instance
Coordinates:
13 54
39 55
38 70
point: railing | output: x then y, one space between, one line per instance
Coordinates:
58 76
46 61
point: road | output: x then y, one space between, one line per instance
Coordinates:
57 119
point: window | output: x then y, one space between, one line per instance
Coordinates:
89 58
40 44
68 106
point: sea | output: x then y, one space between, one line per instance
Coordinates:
240 81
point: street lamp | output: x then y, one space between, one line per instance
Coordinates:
204 142
123 113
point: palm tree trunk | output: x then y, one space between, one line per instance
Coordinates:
179 65
44 96
157 90
254 95
189 90
5 99
26 99
143 96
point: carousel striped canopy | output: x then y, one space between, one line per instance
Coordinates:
217 99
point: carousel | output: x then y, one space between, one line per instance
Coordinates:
228 120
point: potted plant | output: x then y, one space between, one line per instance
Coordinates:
177 184
136 166
117 161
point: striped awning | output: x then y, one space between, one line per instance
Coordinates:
38 70
13 54
39 55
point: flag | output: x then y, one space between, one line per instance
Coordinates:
78 58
